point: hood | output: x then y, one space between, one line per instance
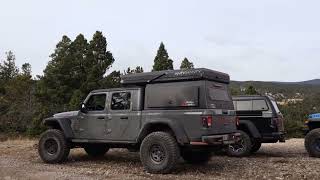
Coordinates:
66 114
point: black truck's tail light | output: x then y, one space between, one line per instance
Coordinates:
206 121
237 121
276 122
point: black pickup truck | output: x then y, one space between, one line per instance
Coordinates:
260 121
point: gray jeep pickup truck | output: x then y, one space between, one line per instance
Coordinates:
164 115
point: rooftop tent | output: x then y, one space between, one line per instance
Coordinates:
174 75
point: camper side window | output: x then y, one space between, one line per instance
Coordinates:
259 105
244 105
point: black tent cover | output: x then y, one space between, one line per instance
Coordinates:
174 75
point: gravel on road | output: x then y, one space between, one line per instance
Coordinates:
19 160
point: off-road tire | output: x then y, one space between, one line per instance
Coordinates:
312 143
241 148
53 146
96 150
196 157
157 146
255 146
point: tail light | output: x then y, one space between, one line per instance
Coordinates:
206 121
277 122
237 121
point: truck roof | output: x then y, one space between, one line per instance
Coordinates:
174 75
115 89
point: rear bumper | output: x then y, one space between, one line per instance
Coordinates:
280 136
273 137
221 139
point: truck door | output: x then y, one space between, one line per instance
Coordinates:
92 124
123 120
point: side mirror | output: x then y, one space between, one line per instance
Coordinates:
83 108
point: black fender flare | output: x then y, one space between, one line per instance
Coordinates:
178 131
251 128
63 123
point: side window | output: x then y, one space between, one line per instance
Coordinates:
96 102
121 101
259 105
244 105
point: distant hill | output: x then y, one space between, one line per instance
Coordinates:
315 82
308 82
288 89
311 82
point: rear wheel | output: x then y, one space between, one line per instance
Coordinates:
242 147
255 146
312 143
196 157
96 150
159 152
53 146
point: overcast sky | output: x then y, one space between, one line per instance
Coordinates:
272 40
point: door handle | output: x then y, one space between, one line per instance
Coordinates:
124 117
100 117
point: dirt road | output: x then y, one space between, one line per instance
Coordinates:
19 160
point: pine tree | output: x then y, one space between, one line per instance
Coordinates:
98 61
55 87
76 67
186 64
112 80
138 69
79 50
162 60
16 102
8 69
26 69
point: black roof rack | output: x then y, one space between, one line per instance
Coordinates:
174 75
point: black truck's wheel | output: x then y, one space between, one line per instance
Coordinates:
312 143
159 152
242 147
255 146
53 146
96 150
196 157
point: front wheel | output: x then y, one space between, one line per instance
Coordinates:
53 146
242 147
312 143
159 152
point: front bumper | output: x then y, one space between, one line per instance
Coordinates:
221 139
